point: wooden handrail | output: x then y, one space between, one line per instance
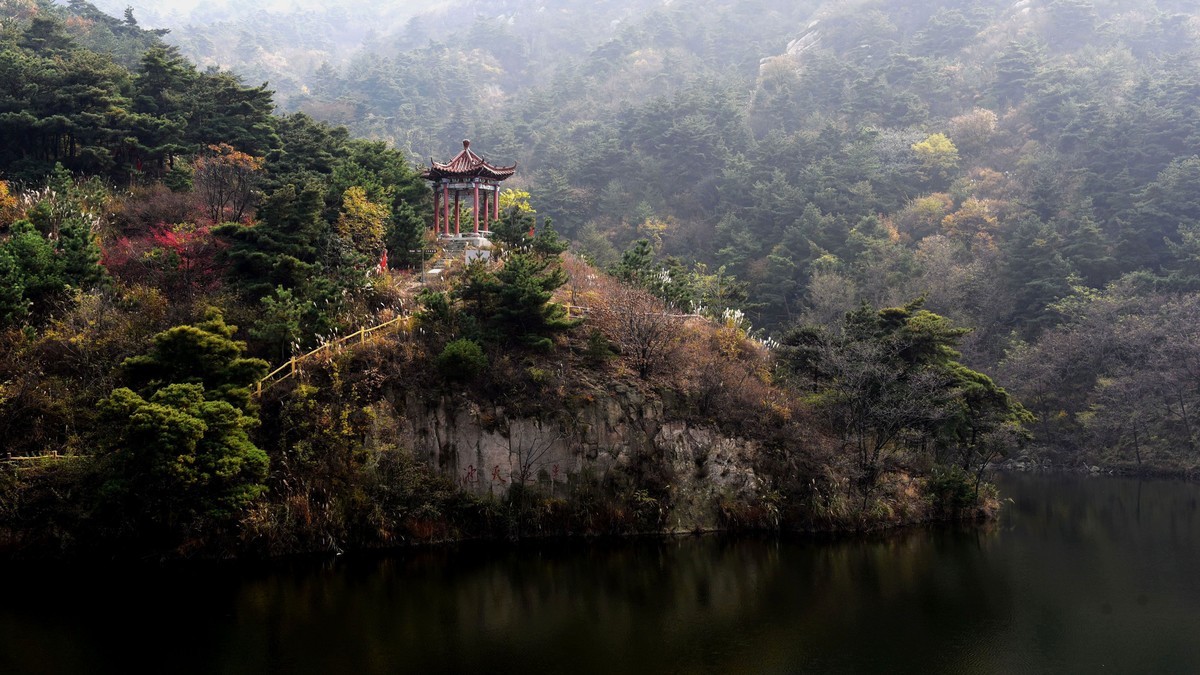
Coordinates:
14 459
362 333
588 310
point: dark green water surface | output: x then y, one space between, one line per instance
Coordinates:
1079 575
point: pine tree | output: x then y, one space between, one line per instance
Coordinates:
205 354
13 305
177 456
524 313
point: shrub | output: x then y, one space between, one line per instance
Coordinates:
176 456
461 360
599 349
951 491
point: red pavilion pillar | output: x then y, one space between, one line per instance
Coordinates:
445 208
487 201
457 213
475 207
495 204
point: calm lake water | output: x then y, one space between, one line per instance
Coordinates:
1079 575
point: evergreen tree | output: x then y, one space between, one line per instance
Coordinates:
42 271
13 305
1165 207
524 314
79 255
889 382
205 354
546 241
37 265
45 36
281 322
1089 253
308 152
478 290
1037 274
405 237
283 248
512 230
161 98
1014 70
176 457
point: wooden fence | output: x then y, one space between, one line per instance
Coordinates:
289 369
27 461
577 311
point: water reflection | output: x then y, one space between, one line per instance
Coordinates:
1077 576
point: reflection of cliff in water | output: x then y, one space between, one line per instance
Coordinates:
1078 575
675 606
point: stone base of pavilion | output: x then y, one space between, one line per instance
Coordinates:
475 239
467 247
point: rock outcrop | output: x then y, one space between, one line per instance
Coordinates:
487 448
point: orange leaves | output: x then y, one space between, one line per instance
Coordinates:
225 181
973 223
226 155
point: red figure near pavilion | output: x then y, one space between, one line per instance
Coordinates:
466 177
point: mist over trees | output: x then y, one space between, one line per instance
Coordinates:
953 228
996 158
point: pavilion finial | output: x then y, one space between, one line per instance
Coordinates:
466 144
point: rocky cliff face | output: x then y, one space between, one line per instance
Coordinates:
487 448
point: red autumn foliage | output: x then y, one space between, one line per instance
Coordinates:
180 260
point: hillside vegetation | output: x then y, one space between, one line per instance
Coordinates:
166 240
1025 166
1029 168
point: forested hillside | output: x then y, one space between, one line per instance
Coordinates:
177 263
870 204
1030 168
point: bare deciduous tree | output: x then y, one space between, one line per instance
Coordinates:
225 180
646 333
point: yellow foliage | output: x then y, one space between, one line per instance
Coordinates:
362 222
937 153
780 409
654 229
891 230
730 341
930 209
518 199
8 205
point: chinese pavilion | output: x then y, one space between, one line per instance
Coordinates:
466 177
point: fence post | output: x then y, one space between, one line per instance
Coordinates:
292 363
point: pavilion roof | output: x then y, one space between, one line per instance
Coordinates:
467 164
